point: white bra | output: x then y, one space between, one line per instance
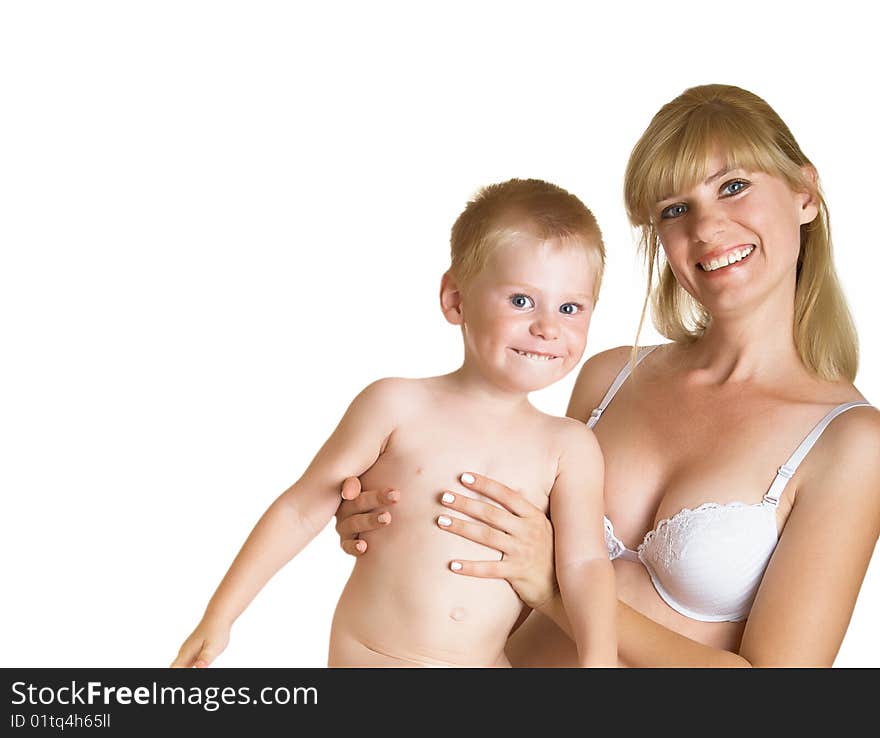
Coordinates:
707 563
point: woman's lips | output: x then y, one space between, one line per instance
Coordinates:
717 261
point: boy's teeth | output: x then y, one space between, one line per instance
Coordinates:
539 357
723 261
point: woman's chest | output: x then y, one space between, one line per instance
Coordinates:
665 453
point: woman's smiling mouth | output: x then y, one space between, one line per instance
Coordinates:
731 257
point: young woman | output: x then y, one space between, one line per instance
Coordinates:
742 482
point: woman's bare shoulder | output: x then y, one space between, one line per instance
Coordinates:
854 434
847 458
594 379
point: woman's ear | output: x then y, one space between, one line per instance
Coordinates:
809 196
450 299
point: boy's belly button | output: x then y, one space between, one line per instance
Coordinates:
458 614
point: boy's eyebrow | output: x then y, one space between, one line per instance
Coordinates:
525 287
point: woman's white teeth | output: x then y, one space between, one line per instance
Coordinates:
723 261
539 357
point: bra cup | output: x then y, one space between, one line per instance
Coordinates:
707 563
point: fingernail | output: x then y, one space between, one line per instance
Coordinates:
384 518
448 497
444 521
455 566
468 478
361 546
393 496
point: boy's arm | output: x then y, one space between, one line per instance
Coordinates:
301 511
583 570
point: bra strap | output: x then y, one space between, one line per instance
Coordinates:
615 385
787 470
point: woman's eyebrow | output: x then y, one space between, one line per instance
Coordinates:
709 180
720 173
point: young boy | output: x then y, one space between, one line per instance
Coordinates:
527 260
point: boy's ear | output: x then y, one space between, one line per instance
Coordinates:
809 201
450 299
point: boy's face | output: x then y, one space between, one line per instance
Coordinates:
525 315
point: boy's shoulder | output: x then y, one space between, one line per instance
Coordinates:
395 394
390 390
571 436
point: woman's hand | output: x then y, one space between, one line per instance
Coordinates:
521 532
204 644
359 512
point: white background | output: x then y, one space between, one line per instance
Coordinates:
219 221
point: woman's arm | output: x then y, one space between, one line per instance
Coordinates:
806 598
641 642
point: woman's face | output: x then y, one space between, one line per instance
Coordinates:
733 240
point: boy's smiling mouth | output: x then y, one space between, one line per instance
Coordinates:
535 355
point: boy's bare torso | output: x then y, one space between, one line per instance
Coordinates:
402 606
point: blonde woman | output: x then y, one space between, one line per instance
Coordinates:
742 465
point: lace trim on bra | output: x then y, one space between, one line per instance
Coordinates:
688 512
620 546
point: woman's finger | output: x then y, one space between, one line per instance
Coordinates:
484 569
367 501
476 532
351 488
513 501
356 524
488 513
353 546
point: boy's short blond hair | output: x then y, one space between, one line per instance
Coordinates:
539 208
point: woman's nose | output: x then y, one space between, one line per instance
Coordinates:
708 224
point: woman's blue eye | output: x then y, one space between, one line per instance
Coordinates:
734 187
570 308
522 302
674 211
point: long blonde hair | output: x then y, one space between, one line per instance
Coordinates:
672 155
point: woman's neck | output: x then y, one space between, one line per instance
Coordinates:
754 344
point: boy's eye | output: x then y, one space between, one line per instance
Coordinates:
570 308
522 302
674 211
734 187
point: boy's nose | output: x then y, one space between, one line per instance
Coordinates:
544 328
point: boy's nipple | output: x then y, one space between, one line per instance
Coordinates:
458 614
